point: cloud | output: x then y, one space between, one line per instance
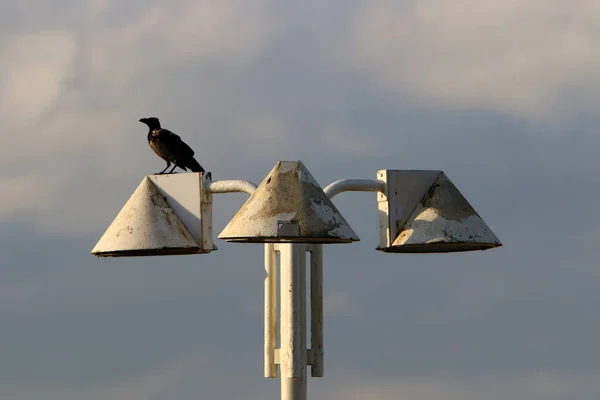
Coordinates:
38 65
151 385
251 80
340 303
530 386
148 385
529 59
71 98
342 140
14 296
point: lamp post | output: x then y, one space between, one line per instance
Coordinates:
420 212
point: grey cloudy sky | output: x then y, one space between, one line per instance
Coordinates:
501 95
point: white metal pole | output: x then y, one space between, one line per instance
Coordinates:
270 310
292 353
316 309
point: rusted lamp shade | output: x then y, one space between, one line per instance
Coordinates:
288 206
424 212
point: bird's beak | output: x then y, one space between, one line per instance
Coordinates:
144 120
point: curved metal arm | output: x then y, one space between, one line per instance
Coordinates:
354 185
232 186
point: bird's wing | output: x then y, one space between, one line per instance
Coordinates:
174 143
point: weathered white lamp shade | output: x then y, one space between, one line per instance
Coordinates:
166 215
289 206
423 212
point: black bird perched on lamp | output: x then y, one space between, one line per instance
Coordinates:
170 147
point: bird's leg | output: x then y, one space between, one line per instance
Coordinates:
173 169
167 167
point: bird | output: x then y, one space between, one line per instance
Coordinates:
170 147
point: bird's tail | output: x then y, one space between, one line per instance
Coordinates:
193 165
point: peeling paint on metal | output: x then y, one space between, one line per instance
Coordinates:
326 213
431 227
423 211
289 193
307 177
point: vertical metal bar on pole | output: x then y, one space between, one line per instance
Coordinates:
301 254
316 309
301 263
206 212
270 310
292 353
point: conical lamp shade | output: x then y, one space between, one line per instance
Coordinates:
289 206
426 213
146 226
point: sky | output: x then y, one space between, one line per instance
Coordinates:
502 96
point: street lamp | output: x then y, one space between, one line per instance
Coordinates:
419 212
289 206
166 215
